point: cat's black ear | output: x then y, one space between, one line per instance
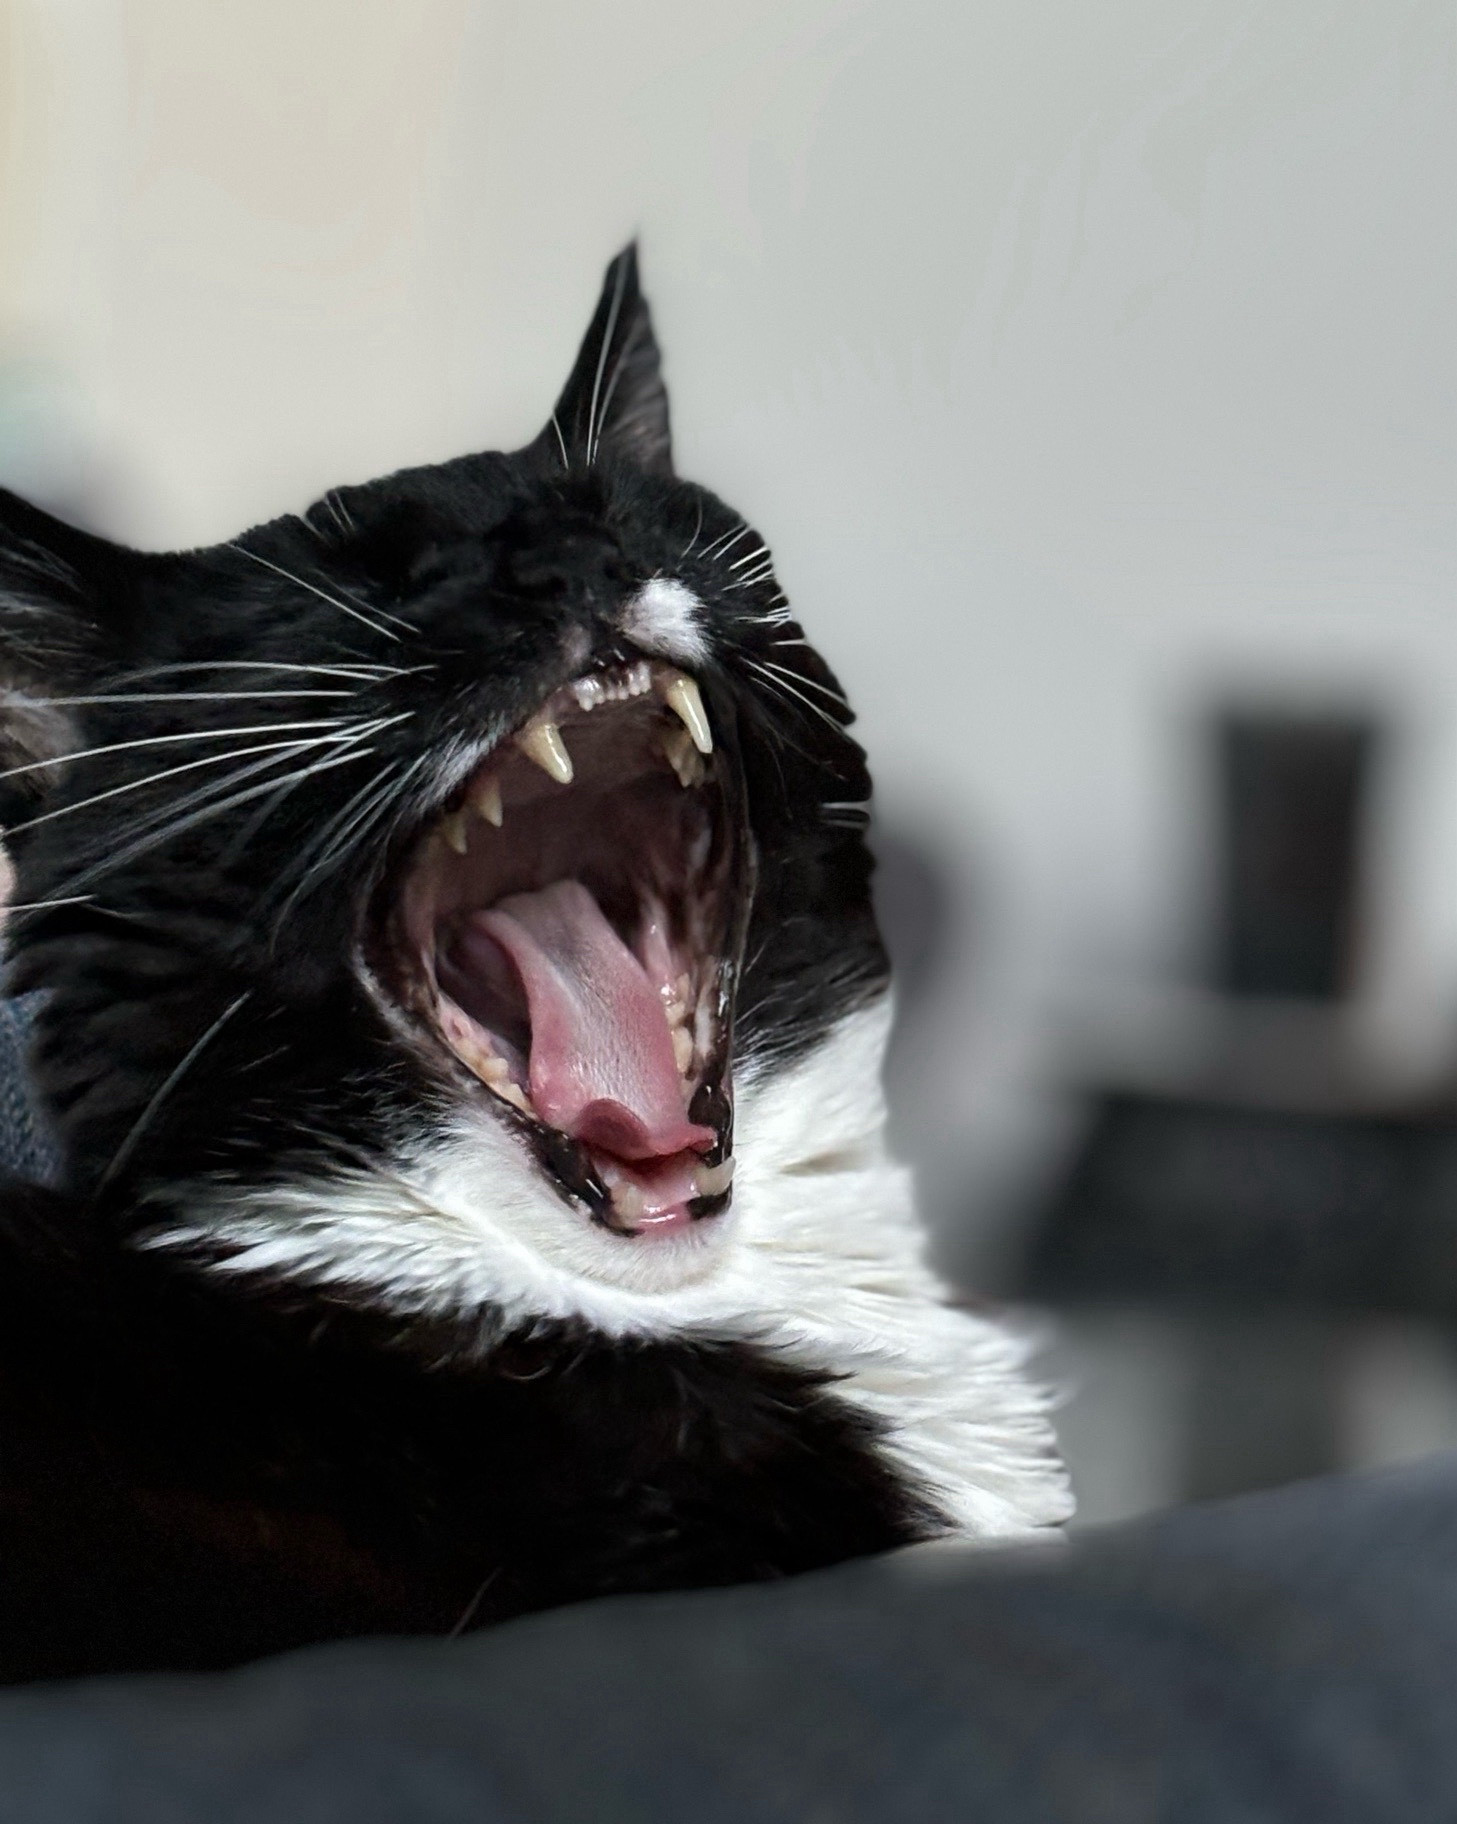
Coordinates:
62 592
615 402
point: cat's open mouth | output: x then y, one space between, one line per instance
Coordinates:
570 926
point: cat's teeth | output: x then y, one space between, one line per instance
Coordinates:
485 801
452 828
682 1048
682 756
542 742
710 1180
588 692
629 1201
684 699
495 1073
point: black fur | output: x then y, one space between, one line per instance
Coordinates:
192 1470
191 1478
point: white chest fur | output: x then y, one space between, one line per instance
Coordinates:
819 1263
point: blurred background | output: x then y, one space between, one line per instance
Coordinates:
1091 371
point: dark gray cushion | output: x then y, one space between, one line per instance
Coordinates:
25 1149
1283 1657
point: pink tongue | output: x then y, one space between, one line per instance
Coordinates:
602 1066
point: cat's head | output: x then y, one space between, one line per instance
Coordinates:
497 808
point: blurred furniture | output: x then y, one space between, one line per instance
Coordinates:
1275 1188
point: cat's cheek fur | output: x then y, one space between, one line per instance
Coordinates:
819 1264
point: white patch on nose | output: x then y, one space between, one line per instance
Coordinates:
663 618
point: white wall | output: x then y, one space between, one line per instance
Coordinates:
1077 359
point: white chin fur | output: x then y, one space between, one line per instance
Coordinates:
818 1261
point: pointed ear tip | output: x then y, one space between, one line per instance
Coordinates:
626 262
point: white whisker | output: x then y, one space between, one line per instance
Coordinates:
193 734
168 1084
697 528
183 696
173 824
313 588
785 690
336 506
754 578
722 546
44 905
344 829
362 672
798 677
171 772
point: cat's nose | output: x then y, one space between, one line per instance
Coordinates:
664 618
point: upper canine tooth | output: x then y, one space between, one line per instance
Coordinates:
452 827
542 742
486 801
683 698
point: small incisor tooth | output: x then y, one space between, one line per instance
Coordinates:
684 699
542 742
485 801
711 1180
452 828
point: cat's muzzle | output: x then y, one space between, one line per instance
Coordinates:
569 929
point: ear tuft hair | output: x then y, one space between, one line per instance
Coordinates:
57 585
615 403
58 588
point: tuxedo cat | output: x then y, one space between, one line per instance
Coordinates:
462 1023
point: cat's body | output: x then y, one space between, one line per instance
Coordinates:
463 1023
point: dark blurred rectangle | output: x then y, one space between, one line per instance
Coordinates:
1291 795
1178 1202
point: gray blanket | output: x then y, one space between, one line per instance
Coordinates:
1283 1657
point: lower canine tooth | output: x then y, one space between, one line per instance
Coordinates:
686 702
678 746
452 828
682 1047
542 742
712 1180
628 1201
485 800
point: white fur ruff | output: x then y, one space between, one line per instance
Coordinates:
819 1263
